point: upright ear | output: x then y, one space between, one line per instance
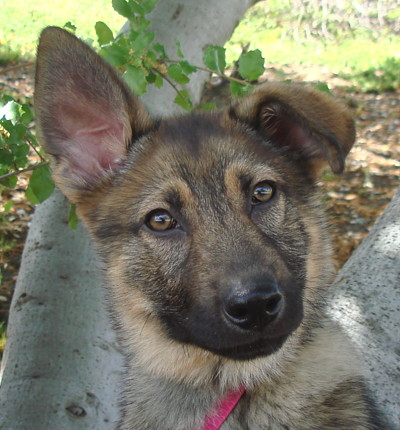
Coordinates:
311 125
86 116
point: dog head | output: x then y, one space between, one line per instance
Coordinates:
209 224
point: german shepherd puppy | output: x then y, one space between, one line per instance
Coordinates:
212 234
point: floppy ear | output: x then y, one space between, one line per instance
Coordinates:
313 127
86 116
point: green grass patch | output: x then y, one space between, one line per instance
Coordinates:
357 55
22 21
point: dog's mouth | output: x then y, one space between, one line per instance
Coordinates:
240 347
249 351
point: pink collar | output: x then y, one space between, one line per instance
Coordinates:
222 410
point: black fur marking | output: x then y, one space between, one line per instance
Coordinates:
175 200
145 132
108 230
190 132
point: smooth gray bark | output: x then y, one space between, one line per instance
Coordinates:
59 343
62 367
366 302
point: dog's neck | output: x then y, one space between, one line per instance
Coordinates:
222 409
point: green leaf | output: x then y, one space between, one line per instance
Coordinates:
323 87
122 7
11 111
30 195
70 27
142 7
151 78
159 82
214 58
115 54
136 79
41 184
142 41
239 90
187 67
179 52
139 23
137 8
150 59
104 34
27 115
176 73
183 100
251 65
72 217
149 5
20 153
17 134
133 34
9 182
6 157
6 124
208 106
160 50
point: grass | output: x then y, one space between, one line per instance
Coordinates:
350 55
22 21
354 54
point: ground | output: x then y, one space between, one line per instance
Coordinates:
353 200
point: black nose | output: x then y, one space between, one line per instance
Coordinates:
254 308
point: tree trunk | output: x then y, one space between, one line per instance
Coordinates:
62 366
366 302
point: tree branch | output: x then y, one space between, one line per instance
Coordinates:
16 67
27 169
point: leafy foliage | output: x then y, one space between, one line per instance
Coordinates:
16 144
142 62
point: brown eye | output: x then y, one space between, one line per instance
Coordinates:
263 192
160 220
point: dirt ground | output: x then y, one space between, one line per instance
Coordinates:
353 201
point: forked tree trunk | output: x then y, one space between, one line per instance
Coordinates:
62 367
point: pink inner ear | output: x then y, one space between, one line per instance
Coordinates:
94 140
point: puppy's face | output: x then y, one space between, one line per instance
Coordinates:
208 224
205 222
